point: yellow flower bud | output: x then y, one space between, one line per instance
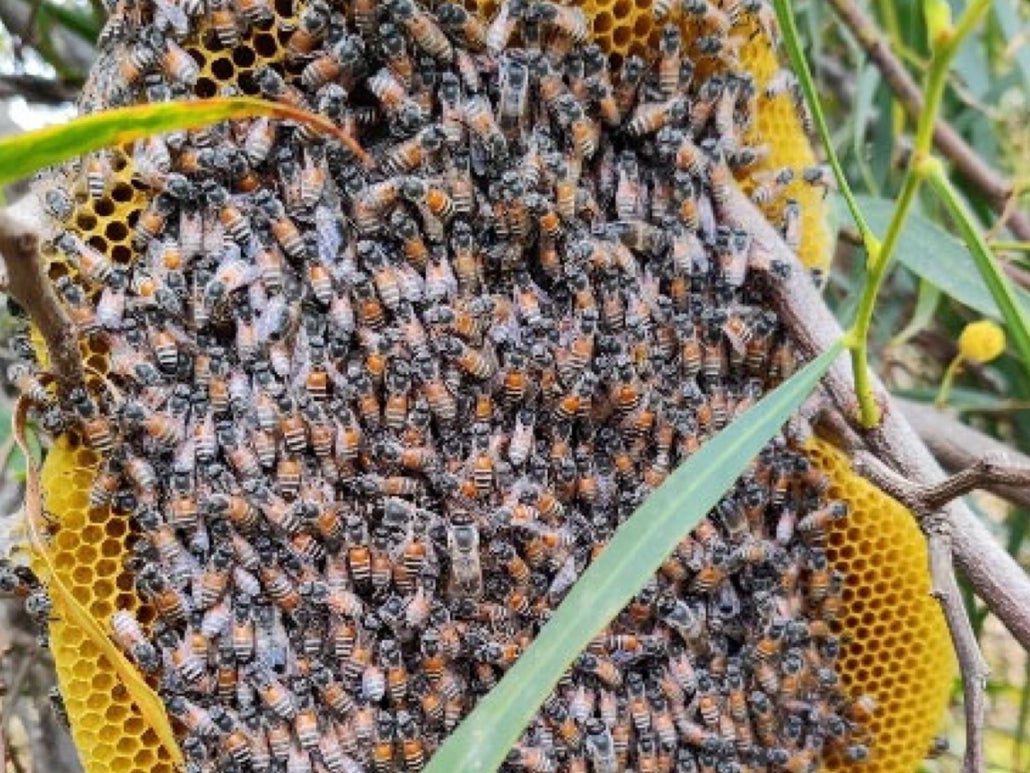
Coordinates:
939 27
981 341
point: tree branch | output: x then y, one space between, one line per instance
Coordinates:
992 469
992 572
28 285
946 139
957 445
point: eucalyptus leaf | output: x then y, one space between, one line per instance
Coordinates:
25 153
932 253
642 543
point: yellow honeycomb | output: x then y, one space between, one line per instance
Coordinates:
779 126
87 549
259 45
898 649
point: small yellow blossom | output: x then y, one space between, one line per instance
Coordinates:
981 341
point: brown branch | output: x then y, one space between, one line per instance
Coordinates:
992 469
991 571
927 502
998 190
957 445
28 285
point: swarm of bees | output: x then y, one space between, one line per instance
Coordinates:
372 409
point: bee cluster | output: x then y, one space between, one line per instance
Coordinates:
373 408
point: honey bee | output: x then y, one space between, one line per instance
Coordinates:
466 575
310 30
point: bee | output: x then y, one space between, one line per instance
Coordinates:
129 636
195 718
153 219
670 51
178 65
603 668
812 527
462 25
650 117
478 116
771 187
514 93
310 30
466 575
225 22
531 758
820 176
423 29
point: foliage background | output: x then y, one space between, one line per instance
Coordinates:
45 52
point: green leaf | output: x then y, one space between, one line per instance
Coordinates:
23 154
792 42
932 253
82 23
922 316
481 742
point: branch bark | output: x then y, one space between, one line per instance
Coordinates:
992 572
957 445
28 285
949 142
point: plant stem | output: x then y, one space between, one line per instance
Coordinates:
804 74
1003 246
879 260
1015 315
946 382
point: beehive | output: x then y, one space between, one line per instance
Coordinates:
620 26
899 650
87 550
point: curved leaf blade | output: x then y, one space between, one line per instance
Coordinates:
481 742
23 154
937 256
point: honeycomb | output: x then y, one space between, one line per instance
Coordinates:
898 648
87 550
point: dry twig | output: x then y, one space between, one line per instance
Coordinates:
29 286
957 446
998 190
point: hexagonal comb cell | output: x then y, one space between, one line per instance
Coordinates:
898 650
97 707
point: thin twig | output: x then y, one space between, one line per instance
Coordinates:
927 502
28 285
927 498
957 445
993 574
947 140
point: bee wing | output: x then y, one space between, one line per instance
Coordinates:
330 234
170 16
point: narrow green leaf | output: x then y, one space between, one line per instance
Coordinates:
922 316
23 154
82 23
935 255
482 741
799 63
